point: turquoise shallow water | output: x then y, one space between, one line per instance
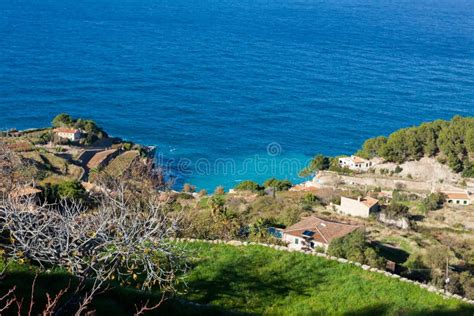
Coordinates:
231 90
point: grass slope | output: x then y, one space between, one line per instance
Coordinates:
259 280
117 301
254 280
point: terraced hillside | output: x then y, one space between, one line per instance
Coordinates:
118 165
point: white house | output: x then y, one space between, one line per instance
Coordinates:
355 163
312 232
361 207
68 133
458 198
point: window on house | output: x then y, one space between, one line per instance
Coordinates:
465 202
297 241
457 202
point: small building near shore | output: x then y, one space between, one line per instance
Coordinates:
312 232
68 133
361 207
458 198
355 163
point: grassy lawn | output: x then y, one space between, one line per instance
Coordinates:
259 280
255 280
117 301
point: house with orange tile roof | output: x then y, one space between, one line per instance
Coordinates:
458 198
355 163
303 187
361 207
68 133
312 232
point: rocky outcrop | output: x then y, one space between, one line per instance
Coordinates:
402 222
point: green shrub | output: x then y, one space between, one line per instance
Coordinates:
355 247
62 120
319 162
279 185
433 201
248 185
67 190
396 210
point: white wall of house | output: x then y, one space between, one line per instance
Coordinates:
294 242
349 162
299 243
70 136
353 207
459 201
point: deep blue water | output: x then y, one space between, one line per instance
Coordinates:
209 80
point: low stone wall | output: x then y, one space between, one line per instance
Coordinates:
430 288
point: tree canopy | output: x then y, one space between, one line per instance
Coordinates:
62 120
319 162
249 185
93 131
278 185
69 190
355 247
453 140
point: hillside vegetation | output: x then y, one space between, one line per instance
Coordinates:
451 141
259 280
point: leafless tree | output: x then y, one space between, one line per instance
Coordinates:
79 302
124 239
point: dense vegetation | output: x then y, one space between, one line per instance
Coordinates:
66 190
93 132
272 183
356 248
452 141
320 163
260 280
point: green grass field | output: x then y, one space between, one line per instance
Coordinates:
255 280
259 280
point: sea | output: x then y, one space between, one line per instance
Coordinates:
230 90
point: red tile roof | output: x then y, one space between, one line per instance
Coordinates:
358 159
369 201
325 231
302 187
457 195
66 130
